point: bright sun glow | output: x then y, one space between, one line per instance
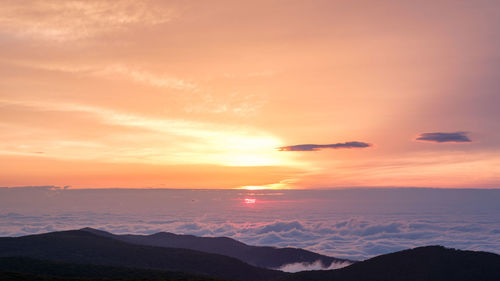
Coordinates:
241 150
250 160
254 187
250 200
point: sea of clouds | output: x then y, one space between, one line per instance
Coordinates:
354 224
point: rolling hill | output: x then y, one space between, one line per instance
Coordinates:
83 255
77 246
269 257
431 263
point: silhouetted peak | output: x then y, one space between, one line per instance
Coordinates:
97 232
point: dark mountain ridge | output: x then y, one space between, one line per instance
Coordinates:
262 256
37 267
78 246
81 255
430 263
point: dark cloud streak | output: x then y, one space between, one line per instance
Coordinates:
316 147
444 137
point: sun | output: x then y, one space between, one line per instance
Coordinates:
243 149
249 201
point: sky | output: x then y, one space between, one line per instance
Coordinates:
249 94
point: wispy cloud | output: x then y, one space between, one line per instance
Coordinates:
201 141
444 137
196 98
316 147
317 265
71 20
116 71
148 78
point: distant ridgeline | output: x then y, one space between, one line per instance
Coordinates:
268 257
90 254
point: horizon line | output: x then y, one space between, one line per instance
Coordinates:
59 188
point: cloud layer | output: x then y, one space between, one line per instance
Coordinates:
354 224
444 137
316 147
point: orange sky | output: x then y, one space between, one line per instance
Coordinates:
202 94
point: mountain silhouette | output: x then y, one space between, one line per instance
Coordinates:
269 257
78 246
430 263
80 255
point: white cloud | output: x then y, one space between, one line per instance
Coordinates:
317 265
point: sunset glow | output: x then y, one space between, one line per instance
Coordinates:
250 200
255 187
251 140
249 94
